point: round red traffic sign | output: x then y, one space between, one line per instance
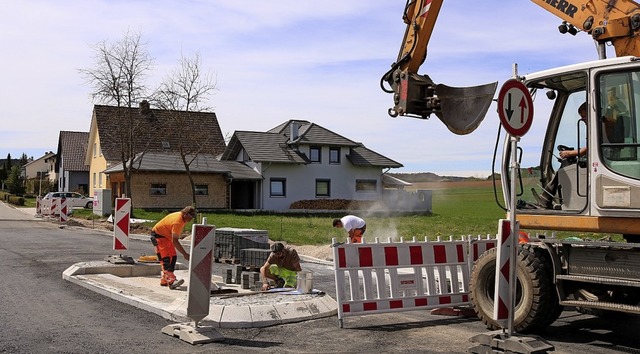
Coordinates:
515 107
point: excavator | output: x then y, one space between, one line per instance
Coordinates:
588 178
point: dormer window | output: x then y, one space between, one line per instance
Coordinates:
165 145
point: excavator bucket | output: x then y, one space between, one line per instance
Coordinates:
462 109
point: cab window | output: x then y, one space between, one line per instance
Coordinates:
619 104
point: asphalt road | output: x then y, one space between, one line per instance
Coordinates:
41 313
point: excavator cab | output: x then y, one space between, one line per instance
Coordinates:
598 191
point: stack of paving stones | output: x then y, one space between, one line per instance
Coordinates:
254 258
229 243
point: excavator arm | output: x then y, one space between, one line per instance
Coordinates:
463 109
614 21
414 95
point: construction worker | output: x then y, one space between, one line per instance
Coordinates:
354 225
166 236
281 266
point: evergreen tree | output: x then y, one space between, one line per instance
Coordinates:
15 182
7 166
24 159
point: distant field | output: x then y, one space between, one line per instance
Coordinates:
459 208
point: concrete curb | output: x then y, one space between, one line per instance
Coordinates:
137 285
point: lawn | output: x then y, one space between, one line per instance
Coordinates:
459 208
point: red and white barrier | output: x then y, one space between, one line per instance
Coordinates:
122 224
505 263
199 290
398 276
478 246
200 262
63 210
53 207
39 206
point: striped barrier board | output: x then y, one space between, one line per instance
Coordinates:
200 262
401 276
505 263
39 206
122 224
53 207
63 210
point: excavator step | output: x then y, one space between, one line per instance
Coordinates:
599 280
635 309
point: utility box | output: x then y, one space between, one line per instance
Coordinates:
102 202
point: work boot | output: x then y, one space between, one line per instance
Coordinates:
280 283
176 284
163 280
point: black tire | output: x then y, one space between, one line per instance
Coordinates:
89 205
536 298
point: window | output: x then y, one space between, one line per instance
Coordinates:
366 185
619 132
334 155
323 188
95 149
100 179
315 153
158 189
202 189
94 180
278 187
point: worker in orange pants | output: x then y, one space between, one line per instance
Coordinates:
166 236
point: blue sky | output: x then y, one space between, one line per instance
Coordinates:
279 60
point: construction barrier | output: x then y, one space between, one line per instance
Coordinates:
402 276
200 262
39 206
122 224
63 210
505 265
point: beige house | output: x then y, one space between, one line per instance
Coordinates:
161 182
154 132
42 168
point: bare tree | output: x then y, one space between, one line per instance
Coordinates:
187 89
118 78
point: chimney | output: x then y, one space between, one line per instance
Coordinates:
294 131
145 107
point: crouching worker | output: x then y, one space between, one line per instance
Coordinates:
166 236
281 266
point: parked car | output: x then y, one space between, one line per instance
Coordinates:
74 200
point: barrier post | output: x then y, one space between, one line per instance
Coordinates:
199 290
121 224
39 206
63 210
53 209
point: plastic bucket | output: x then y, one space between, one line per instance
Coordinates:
305 281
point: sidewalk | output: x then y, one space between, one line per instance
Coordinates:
139 285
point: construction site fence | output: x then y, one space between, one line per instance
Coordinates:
382 277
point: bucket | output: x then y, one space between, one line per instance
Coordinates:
305 281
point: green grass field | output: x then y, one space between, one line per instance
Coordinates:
458 209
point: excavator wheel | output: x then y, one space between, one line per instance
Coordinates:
536 298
